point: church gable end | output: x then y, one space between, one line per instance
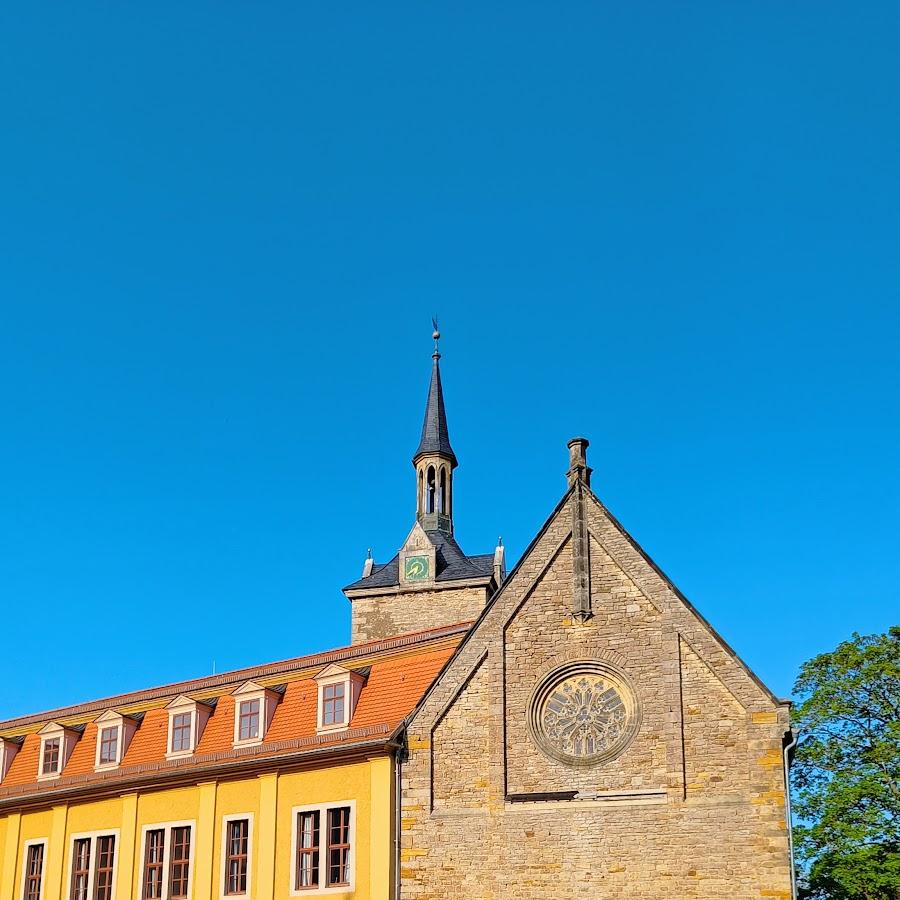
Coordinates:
594 734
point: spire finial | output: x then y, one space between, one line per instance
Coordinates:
437 336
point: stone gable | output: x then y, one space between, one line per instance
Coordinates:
680 793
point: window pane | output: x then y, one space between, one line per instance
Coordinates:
339 846
248 720
307 849
181 732
333 704
109 742
103 882
34 868
236 857
180 865
81 868
154 851
51 756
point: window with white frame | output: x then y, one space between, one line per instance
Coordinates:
92 868
167 856
114 734
237 849
339 691
57 743
187 719
254 707
108 746
33 869
322 848
51 755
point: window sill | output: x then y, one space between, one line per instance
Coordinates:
337 890
327 729
179 754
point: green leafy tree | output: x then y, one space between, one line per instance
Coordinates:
846 773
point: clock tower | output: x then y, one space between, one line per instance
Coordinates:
430 582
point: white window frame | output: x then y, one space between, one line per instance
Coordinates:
167 827
92 871
322 809
179 711
259 696
236 817
50 732
199 713
34 842
353 683
110 719
112 764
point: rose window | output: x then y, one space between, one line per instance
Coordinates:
583 713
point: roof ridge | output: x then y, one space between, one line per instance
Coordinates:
238 676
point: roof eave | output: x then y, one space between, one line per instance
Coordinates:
354 593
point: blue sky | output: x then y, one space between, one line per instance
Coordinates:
224 228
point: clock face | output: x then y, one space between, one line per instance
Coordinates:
415 568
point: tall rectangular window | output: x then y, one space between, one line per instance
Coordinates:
339 846
180 863
166 862
236 856
50 761
103 876
81 868
154 854
109 745
307 850
34 870
333 704
322 846
181 732
248 720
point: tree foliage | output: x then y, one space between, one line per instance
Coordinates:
846 773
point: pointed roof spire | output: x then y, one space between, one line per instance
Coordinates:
435 436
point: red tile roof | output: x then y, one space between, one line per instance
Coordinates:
400 671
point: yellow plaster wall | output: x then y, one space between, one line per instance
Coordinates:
269 798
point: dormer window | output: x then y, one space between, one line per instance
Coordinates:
339 690
57 743
9 747
108 750
114 734
51 754
254 706
183 732
187 720
333 705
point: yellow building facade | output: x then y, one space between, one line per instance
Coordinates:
267 801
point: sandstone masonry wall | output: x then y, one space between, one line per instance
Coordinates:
387 615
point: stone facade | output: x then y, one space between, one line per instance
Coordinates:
398 612
692 805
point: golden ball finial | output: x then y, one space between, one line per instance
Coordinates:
436 335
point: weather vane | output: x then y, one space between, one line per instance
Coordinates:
437 336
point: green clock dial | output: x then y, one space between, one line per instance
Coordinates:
416 568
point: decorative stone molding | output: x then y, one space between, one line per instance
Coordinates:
584 712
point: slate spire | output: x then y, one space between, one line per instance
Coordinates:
435 435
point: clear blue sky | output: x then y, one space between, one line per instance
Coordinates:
224 228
